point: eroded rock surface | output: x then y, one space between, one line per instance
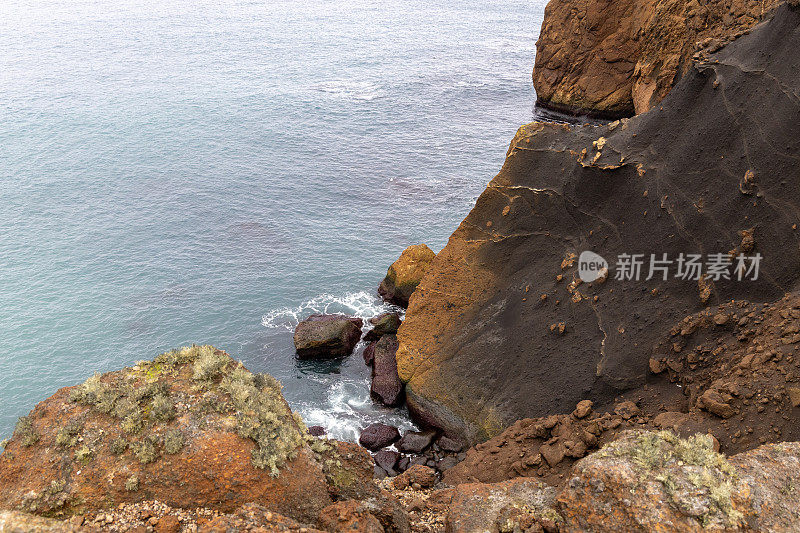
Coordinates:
502 327
646 481
617 58
405 274
192 428
323 336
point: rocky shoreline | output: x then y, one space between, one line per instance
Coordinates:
546 402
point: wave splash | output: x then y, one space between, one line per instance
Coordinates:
360 304
349 409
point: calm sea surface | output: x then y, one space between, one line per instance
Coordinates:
196 171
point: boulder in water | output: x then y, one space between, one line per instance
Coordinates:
325 336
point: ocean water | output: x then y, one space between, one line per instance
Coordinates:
212 171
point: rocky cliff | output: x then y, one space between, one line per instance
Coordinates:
501 327
614 58
192 428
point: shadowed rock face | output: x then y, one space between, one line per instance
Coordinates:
500 330
617 58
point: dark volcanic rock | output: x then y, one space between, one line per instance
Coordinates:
377 436
447 463
321 336
405 274
316 431
504 301
386 384
449 445
387 459
385 324
416 441
369 353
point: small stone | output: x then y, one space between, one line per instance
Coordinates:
583 409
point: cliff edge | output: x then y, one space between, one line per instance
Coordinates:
501 327
618 58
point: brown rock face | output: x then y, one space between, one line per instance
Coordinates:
349 516
655 481
477 350
615 58
405 274
193 428
515 505
322 336
253 517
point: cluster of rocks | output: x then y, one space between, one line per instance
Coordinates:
328 336
395 454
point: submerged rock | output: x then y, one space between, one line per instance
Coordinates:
405 274
618 58
690 176
316 431
386 385
193 428
323 336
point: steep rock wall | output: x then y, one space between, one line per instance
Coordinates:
615 58
713 169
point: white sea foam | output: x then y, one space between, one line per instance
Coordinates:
349 409
360 304
351 89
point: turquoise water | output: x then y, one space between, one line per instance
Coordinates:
212 171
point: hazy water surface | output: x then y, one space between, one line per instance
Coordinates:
211 171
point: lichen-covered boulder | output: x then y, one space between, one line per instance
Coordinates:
192 428
405 274
649 481
324 336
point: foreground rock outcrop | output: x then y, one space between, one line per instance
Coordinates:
617 58
502 327
193 428
656 481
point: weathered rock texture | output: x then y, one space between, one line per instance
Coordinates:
193 428
322 336
655 481
619 57
386 385
405 274
501 327
499 507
